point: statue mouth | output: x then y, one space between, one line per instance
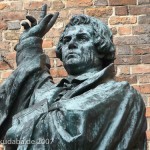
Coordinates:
71 55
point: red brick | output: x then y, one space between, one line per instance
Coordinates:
13 25
99 12
141 29
52 62
10 15
145 88
124 30
34 13
144 79
1 147
73 12
100 2
13 64
6 74
123 50
59 63
121 10
139 10
12 35
63 14
144 19
145 99
141 49
148 112
132 40
115 20
11 55
123 70
47 44
147 132
35 5
3 66
58 25
114 30
3 25
80 3
10 63
140 69
130 79
4 46
58 5
146 59
121 60
58 72
66 21
105 20
149 98
54 33
3 6
54 72
62 72
13 44
141 2
16 6
55 40
1 81
122 2
51 53
0 35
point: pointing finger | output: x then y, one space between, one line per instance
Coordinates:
43 12
43 24
53 20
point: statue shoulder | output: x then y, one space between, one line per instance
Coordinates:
130 92
117 85
122 87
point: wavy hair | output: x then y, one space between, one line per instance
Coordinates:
103 38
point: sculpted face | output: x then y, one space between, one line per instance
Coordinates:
78 51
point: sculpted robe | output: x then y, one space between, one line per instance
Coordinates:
89 112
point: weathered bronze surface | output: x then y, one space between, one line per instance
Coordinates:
88 110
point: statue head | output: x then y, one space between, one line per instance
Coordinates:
85 43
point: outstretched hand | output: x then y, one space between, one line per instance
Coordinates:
41 27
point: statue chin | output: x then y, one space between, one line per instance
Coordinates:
72 62
75 68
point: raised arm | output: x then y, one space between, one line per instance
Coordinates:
17 91
30 42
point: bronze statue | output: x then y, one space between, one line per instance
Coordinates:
88 110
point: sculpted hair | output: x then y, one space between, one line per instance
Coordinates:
101 34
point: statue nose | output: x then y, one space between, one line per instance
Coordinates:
72 44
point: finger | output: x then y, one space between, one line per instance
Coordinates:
53 20
39 29
25 25
32 20
45 21
43 12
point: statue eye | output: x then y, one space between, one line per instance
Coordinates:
66 39
82 37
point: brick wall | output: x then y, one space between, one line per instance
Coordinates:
128 19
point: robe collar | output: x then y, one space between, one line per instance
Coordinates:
81 78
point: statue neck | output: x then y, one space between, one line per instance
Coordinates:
76 72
